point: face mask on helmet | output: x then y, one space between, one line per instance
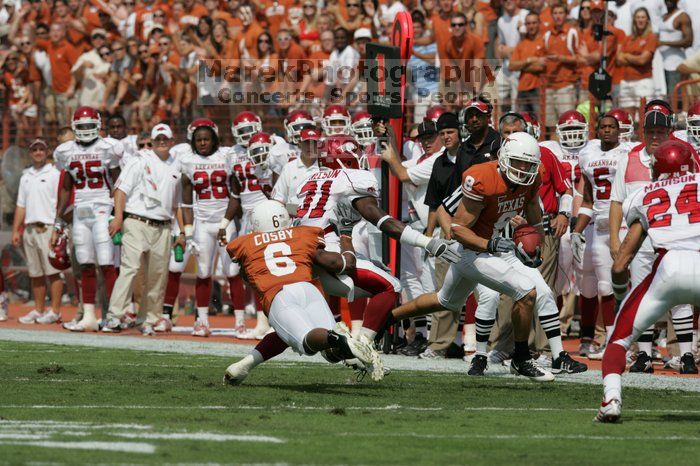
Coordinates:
626 132
573 136
693 129
258 154
519 170
86 131
244 132
363 132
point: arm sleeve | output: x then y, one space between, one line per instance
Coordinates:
432 196
633 210
281 188
130 177
117 154
363 184
22 193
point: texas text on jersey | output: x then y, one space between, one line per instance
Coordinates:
483 183
274 259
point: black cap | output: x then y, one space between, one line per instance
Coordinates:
447 120
427 127
657 119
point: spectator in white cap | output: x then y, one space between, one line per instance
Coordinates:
36 209
145 200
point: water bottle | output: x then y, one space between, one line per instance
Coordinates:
117 238
179 253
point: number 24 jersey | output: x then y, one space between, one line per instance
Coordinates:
275 259
669 211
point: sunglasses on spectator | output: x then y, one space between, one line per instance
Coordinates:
105 53
143 51
165 43
353 5
585 8
117 49
141 145
310 6
129 3
264 41
25 43
159 14
458 25
283 39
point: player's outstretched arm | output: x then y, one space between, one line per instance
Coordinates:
343 263
620 276
615 223
585 211
233 210
370 211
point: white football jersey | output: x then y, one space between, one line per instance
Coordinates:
210 177
180 150
281 153
599 168
89 167
567 158
669 211
255 183
322 191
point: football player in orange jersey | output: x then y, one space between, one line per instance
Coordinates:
493 194
277 260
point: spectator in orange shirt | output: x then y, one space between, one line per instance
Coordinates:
193 12
354 17
475 19
463 53
561 44
289 54
59 99
441 24
541 8
306 30
635 56
313 84
528 58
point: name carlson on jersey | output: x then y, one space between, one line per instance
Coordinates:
282 235
510 205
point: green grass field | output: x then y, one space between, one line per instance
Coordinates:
72 405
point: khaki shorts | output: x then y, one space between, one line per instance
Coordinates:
36 248
558 102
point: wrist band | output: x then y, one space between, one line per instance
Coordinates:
224 223
585 211
189 230
412 237
382 220
565 202
344 265
349 252
620 289
235 196
189 206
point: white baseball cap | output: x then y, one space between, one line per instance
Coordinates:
363 33
161 129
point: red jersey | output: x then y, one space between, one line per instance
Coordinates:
555 181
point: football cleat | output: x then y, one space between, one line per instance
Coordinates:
128 321
643 364
85 325
236 373
430 353
416 347
688 365
609 412
31 317
201 329
597 354
674 363
585 347
163 325
147 330
499 357
568 365
531 370
49 317
544 361
112 325
478 365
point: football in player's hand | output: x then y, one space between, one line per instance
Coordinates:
528 237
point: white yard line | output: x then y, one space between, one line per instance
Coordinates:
614 438
235 350
295 407
124 447
206 436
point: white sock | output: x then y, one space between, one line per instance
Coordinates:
608 332
240 317
556 346
694 345
203 315
89 312
645 346
459 339
356 326
256 357
481 347
684 347
470 334
612 387
262 320
166 317
369 333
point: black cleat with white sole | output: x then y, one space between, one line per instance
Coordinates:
531 370
688 365
478 365
567 365
643 364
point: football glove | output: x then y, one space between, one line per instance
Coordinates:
447 250
345 218
533 261
500 244
578 246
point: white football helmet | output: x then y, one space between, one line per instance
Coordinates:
572 130
269 216
520 147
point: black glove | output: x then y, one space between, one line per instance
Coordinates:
500 244
533 261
